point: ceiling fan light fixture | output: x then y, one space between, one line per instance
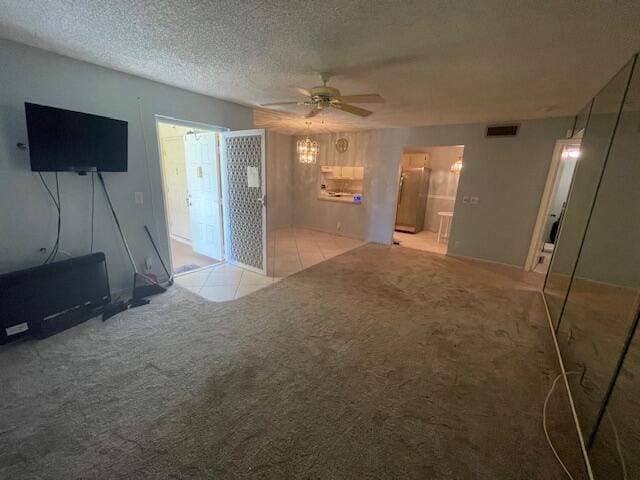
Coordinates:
324 97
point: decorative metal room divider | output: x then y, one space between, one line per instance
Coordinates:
244 181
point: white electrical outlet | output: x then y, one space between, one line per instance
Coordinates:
139 198
474 200
338 226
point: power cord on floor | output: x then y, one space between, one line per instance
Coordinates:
546 431
618 446
544 422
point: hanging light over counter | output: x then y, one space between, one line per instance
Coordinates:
307 149
456 167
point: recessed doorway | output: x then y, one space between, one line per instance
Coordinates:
190 163
426 197
554 199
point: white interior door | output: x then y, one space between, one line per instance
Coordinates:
175 177
244 194
204 195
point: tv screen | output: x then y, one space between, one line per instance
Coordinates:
63 140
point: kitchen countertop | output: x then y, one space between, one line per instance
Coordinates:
343 198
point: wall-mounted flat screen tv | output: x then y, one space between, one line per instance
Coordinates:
63 140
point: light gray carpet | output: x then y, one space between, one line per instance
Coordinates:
382 363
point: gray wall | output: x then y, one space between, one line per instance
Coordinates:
279 180
27 217
347 219
611 252
508 174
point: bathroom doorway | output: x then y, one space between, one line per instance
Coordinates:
554 200
190 164
426 197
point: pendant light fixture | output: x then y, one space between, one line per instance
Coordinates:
307 148
456 167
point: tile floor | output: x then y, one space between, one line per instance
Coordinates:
182 256
289 251
424 240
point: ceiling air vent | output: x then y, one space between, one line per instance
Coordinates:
502 131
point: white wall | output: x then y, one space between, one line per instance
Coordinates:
507 174
27 217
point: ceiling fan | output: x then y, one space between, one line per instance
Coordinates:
323 96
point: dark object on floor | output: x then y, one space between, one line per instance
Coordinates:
166 270
117 307
47 299
555 226
143 286
554 231
187 268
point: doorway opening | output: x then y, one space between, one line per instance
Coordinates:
552 206
190 164
426 197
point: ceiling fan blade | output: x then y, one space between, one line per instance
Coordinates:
304 91
361 112
313 113
274 104
367 98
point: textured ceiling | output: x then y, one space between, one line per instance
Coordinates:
434 62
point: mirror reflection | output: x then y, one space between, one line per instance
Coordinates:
593 286
598 132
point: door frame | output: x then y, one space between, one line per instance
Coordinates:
404 152
183 123
545 202
263 187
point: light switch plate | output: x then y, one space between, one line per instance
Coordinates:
474 200
139 198
465 199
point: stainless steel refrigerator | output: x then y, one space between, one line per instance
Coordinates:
412 199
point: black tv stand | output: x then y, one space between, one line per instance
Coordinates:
47 299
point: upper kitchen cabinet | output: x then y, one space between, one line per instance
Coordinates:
416 160
342 173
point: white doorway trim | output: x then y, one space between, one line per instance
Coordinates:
545 204
185 123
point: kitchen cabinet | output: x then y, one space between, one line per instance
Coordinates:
334 172
416 160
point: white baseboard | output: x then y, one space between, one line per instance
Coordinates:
339 234
484 260
186 241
